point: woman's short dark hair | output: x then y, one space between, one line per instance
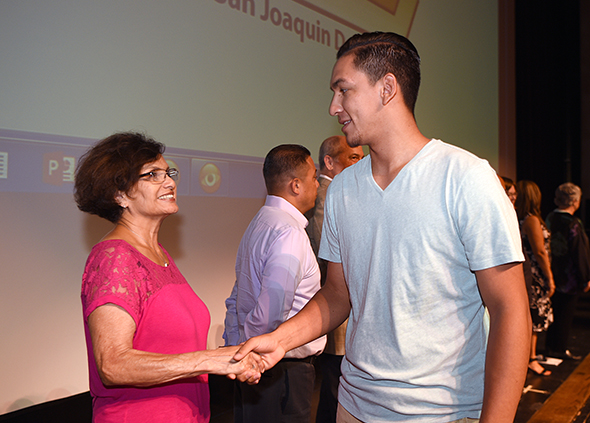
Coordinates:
508 183
110 167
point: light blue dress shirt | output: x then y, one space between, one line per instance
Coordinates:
276 275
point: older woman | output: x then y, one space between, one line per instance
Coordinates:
570 265
146 329
535 243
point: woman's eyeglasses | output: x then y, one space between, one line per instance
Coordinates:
159 175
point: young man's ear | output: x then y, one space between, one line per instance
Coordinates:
389 88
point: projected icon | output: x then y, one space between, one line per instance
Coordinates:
3 165
58 168
367 15
210 178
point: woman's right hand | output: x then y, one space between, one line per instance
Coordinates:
252 366
248 369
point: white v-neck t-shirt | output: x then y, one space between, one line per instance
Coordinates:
416 339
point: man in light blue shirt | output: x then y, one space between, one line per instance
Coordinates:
276 275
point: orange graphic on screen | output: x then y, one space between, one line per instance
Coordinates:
367 15
388 5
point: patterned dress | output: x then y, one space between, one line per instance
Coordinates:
170 319
539 301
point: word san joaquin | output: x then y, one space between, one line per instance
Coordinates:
304 29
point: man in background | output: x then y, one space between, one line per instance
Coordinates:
335 156
276 275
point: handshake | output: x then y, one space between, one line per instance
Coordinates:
248 361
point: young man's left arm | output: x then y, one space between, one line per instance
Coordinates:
504 293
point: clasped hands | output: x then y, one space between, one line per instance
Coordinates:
249 360
248 368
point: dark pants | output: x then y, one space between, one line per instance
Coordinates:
330 369
283 395
564 307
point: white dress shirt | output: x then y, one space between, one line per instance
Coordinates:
276 275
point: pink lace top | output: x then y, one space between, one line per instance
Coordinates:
170 319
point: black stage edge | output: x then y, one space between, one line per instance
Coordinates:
73 409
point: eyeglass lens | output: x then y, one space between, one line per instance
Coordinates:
160 175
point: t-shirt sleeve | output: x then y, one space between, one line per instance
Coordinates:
486 220
329 246
113 275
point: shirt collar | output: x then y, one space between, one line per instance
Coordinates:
325 177
281 203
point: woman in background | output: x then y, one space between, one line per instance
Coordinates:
146 329
510 189
535 243
570 263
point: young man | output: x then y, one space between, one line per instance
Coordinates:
276 275
419 236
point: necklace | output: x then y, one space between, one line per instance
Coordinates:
158 253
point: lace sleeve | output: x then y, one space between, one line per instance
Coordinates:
114 274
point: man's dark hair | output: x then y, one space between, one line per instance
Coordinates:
380 53
281 165
110 167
